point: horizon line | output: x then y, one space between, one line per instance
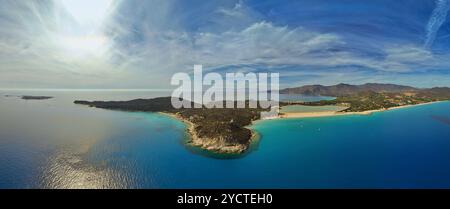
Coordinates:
165 89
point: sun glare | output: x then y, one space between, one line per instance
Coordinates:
87 11
85 38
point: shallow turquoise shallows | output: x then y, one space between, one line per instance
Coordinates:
56 144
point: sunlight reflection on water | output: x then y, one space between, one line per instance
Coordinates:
67 170
48 143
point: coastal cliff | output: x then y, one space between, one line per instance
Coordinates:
216 143
220 130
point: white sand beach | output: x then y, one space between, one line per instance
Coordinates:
336 113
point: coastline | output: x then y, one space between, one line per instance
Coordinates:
220 146
216 145
334 113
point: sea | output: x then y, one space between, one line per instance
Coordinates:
57 144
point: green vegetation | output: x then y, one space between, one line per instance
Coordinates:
225 124
369 100
223 127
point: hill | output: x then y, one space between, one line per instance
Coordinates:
346 89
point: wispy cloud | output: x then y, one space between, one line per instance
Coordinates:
140 44
437 19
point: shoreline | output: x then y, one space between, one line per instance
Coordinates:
215 145
334 113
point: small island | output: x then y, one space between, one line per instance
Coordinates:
36 97
224 130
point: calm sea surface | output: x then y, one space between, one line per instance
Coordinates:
57 144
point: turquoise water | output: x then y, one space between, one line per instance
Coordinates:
403 148
56 144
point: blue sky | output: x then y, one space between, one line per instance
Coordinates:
141 44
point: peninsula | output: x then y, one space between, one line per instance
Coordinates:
224 130
220 130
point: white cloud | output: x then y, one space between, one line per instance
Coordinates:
142 47
407 54
437 19
42 46
237 11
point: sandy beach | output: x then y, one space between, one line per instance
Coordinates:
334 113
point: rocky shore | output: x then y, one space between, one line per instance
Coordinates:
217 144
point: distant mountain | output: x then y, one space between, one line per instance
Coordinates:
347 89
438 92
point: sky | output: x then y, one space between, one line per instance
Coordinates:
128 44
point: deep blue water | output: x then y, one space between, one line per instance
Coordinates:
56 144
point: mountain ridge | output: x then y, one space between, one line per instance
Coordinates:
343 89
